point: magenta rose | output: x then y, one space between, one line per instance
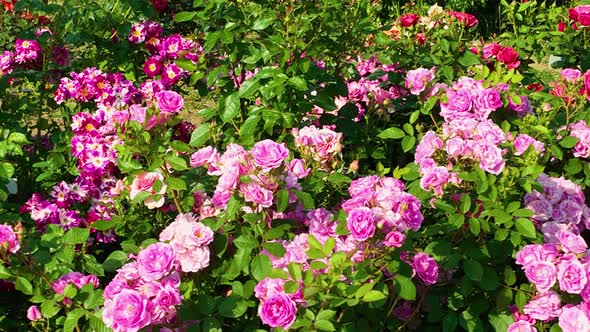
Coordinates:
409 20
521 326
278 310
394 239
490 158
361 223
169 101
490 50
8 240
155 261
426 268
269 154
127 311
33 313
542 274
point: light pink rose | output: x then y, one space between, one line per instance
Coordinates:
541 273
571 274
144 182
574 319
544 307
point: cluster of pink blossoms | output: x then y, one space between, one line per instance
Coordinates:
318 145
467 137
75 278
369 90
581 131
265 165
560 207
565 264
145 292
9 242
26 53
93 85
506 55
163 50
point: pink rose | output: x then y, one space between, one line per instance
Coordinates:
409 20
490 158
571 75
278 311
571 242
361 224
256 194
571 274
8 240
394 239
33 313
542 274
490 50
204 156
544 307
426 268
574 319
169 101
127 311
144 182
416 80
269 154
155 261
194 260
521 326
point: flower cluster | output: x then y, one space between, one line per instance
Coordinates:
381 203
321 146
418 27
581 131
26 53
163 50
190 240
9 242
75 278
580 14
560 207
372 87
564 264
265 165
144 292
506 55
93 85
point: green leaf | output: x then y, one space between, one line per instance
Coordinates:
248 88
405 287
115 260
184 16
373 296
326 315
176 183
72 319
4 272
263 22
200 135
77 235
569 142
468 59
338 178
526 228
306 199
24 286
6 171
294 271
177 163
408 143
391 133
246 242
260 267
291 287
473 269
275 249
230 107
186 64
298 82
49 308
282 200
324 325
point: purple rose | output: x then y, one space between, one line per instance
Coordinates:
269 154
155 261
279 310
426 268
361 223
169 101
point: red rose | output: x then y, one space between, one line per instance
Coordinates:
561 27
408 20
420 39
509 57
